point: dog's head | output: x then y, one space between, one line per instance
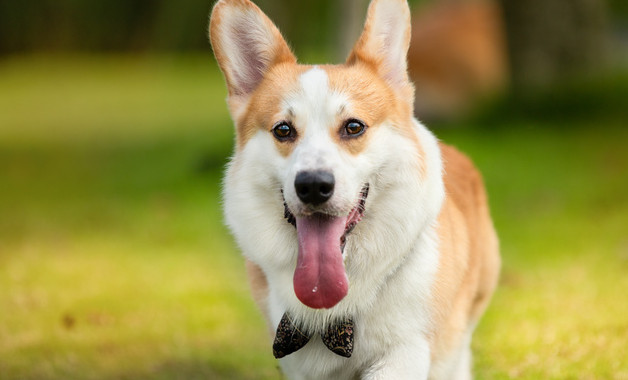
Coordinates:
313 141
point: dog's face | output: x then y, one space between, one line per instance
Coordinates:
316 125
313 141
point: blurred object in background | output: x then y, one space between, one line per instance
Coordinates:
457 56
618 17
102 25
350 15
464 53
553 40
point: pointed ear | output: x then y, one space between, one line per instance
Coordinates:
385 41
246 44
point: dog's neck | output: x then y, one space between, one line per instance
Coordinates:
338 337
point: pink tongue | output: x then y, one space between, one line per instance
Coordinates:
320 280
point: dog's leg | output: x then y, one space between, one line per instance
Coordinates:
461 369
457 365
403 362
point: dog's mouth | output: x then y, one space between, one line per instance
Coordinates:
354 217
320 280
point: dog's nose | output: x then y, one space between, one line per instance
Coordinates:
314 187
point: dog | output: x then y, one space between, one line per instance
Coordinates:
369 245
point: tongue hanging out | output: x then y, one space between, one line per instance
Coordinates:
320 280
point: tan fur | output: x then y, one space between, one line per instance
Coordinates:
374 101
263 110
371 99
469 257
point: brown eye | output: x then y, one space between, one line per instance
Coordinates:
354 128
283 131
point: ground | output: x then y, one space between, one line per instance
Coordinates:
114 262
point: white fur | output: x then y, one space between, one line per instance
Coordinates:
390 257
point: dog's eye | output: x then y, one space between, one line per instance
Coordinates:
283 131
354 128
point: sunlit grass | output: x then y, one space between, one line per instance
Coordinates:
114 262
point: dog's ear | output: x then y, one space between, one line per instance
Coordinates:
384 43
246 44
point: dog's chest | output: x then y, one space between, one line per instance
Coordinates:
372 346
399 317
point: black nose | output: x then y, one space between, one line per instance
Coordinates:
314 187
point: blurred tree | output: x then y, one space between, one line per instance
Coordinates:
549 40
619 11
180 25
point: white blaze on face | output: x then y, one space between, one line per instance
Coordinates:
320 280
315 108
317 112
315 87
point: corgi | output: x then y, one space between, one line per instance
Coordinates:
369 245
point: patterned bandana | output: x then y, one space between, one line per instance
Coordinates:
338 338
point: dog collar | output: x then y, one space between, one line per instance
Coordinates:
289 338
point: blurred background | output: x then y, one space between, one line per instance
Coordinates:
114 262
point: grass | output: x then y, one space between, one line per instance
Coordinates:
114 262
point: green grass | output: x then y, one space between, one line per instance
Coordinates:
559 199
114 262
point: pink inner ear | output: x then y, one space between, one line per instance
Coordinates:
249 69
393 48
385 40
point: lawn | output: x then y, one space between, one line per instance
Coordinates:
114 262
